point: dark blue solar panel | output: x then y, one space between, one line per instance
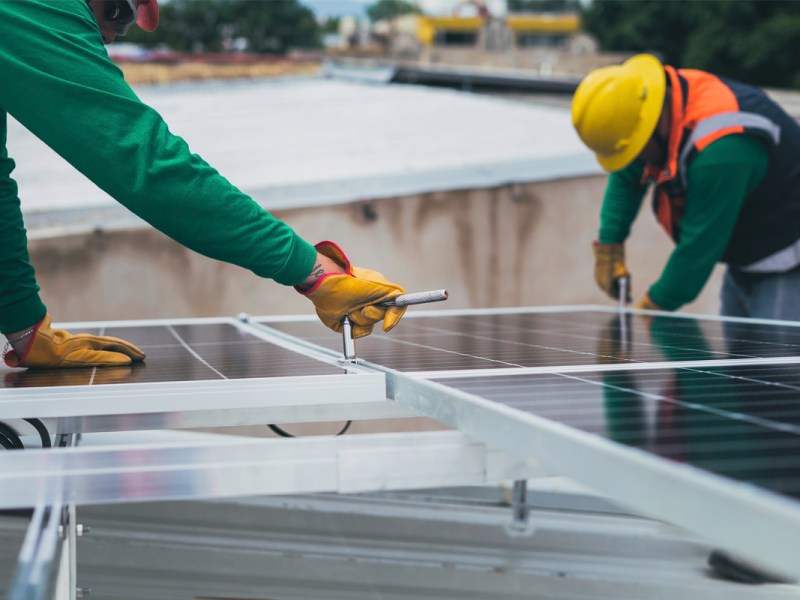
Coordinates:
554 339
739 421
195 352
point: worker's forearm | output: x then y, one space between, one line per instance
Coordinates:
20 305
621 202
322 266
59 83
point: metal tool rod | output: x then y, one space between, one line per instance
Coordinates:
622 284
623 318
348 343
417 298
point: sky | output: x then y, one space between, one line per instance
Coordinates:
331 8
338 8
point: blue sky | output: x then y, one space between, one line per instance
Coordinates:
337 8
332 8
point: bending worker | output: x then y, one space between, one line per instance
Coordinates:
56 79
724 163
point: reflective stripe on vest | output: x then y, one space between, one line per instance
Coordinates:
713 128
670 194
779 262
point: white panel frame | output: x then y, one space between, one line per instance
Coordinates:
516 310
352 395
181 405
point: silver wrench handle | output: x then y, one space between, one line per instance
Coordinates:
622 283
417 298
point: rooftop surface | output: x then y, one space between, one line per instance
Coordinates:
304 142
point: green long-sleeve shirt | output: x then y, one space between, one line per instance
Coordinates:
57 80
718 181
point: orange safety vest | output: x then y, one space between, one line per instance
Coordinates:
703 110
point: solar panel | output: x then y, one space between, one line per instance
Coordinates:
678 417
182 352
694 420
200 373
529 339
740 422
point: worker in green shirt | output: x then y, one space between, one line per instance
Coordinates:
57 80
722 159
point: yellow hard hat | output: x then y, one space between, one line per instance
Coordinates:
615 109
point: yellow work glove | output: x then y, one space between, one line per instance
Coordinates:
356 293
646 304
609 268
50 348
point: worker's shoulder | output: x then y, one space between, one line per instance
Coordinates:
45 13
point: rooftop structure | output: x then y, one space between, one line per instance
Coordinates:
311 142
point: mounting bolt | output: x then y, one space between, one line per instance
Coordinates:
81 592
519 504
81 529
520 525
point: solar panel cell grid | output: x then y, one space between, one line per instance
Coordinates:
738 421
198 352
555 340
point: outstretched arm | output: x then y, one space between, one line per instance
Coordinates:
60 84
20 305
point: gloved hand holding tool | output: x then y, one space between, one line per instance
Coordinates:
41 346
610 270
613 278
349 348
353 292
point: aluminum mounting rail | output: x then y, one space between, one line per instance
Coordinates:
240 466
181 405
47 564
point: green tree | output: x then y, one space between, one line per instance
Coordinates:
268 26
187 25
658 26
386 9
756 41
275 26
533 6
331 25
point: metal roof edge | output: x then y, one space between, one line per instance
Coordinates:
391 185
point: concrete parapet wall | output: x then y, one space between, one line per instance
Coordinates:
539 61
519 245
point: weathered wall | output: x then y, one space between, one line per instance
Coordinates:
513 246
